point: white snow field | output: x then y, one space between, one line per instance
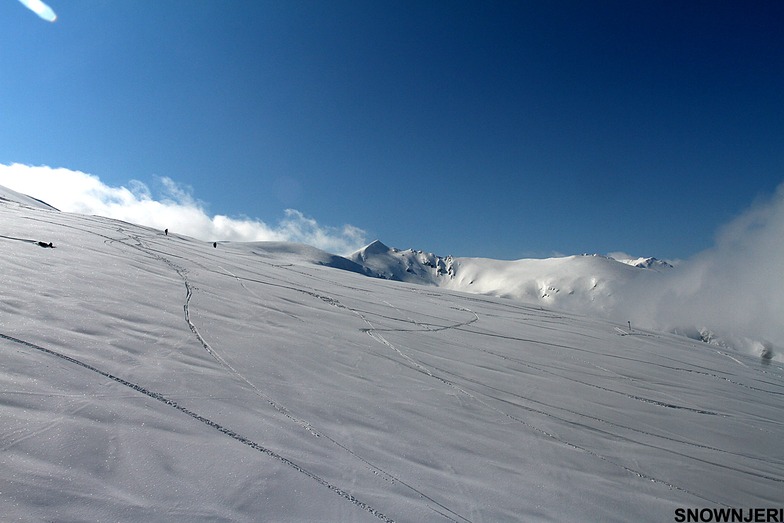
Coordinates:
153 377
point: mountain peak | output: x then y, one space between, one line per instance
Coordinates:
648 263
374 248
394 264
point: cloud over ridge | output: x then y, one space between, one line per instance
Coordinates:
734 287
175 209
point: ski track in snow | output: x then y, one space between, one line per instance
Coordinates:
336 303
220 428
582 426
472 393
415 365
182 273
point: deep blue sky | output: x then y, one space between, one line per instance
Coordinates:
494 129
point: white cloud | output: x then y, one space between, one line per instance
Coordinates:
176 209
735 287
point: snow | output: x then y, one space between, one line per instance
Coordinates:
393 264
146 377
646 263
12 197
588 284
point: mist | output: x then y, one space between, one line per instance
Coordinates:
733 292
175 208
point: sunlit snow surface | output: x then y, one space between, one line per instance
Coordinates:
146 377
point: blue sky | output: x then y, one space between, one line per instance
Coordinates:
493 129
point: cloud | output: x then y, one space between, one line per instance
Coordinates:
176 209
735 289
41 9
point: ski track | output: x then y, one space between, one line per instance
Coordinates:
529 365
374 334
182 273
701 370
419 367
615 435
206 421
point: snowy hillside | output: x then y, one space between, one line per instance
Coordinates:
647 292
11 196
587 284
153 377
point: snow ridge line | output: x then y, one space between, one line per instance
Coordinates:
220 428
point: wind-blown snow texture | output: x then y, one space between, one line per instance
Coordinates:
146 377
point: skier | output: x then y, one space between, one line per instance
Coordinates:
166 232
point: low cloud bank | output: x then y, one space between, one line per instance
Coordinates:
175 209
735 290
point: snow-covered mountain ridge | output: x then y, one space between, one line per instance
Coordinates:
155 377
403 265
647 292
584 283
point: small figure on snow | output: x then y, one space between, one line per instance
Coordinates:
767 352
214 245
166 232
46 245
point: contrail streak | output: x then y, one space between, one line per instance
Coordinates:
41 9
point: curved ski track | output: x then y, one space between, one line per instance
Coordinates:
182 273
220 428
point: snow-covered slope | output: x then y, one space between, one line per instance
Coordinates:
582 283
10 196
146 377
300 253
645 292
588 284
